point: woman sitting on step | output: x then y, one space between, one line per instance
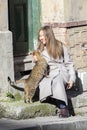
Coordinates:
62 72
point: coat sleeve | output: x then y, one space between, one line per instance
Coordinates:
69 64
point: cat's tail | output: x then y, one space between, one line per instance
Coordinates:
12 84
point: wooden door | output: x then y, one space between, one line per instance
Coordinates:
24 22
19 26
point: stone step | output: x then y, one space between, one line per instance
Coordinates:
23 63
20 110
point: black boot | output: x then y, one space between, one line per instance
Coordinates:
64 112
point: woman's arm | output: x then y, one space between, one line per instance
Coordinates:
70 67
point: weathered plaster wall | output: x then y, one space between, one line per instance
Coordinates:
52 11
63 11
3 15
75 10
6 49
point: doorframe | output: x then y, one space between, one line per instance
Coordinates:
34 21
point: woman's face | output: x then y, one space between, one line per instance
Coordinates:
42 37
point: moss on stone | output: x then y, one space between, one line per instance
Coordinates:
37 109
20 110
18 96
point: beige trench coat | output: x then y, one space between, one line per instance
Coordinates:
61 71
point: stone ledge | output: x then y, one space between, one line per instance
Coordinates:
20 110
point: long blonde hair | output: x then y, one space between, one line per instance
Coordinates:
54 47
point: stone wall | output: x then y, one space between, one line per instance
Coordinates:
78 46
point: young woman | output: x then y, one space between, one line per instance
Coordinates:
62 72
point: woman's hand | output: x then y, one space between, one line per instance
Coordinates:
69 84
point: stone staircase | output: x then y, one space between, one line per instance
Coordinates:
17 109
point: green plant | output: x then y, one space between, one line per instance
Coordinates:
8 94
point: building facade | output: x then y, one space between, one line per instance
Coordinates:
20 21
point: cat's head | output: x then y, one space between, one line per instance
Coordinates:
37 55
